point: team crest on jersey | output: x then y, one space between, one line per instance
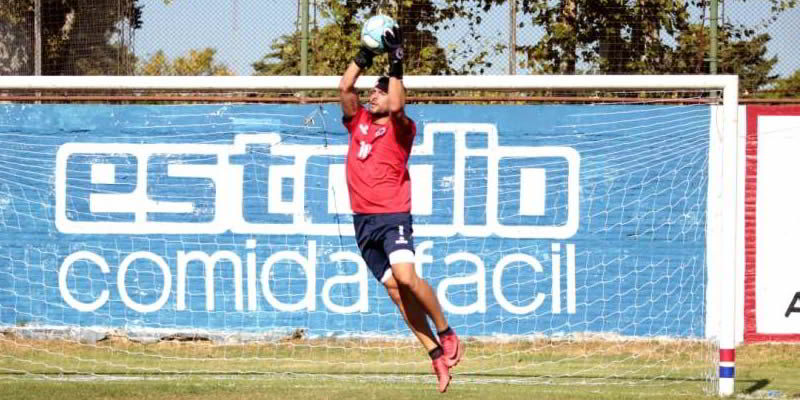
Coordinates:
364 150
380 132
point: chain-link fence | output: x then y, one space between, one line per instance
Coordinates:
81 37
754 39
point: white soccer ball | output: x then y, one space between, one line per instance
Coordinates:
373 30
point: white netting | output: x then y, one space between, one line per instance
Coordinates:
567 242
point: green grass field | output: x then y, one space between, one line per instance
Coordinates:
361 369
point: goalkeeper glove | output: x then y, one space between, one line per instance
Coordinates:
364 58
393 42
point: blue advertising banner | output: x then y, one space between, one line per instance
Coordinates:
528 220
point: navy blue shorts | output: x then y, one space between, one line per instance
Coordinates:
384 239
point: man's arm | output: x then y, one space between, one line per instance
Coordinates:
347 92
397 92
397 103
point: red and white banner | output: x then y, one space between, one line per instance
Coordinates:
772 224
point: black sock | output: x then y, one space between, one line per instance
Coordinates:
446 332
436 353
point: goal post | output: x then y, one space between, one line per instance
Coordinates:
581 244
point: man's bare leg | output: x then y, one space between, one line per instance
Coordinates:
416 319
406 277
413 313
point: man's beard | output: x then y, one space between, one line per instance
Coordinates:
378 115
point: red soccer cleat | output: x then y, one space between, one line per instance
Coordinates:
442 372
453 349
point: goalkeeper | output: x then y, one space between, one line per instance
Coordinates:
380 195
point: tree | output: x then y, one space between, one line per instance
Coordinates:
195 63
334 45
603 36
332 49
737 54
786 87
634 36
15 57
79 37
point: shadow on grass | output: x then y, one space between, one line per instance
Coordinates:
757 385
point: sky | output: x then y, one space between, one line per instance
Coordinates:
242 30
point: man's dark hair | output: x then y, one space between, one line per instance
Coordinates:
383 84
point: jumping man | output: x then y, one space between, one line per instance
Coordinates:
380 195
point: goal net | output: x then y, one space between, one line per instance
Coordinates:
573 230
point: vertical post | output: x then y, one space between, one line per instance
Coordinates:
512 43
712 53
727 273
37 34
304 37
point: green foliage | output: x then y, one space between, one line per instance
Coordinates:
747 58
79 37
580 36
792 83
332 49
196 63
737 54
786 87
600 36
334 45
635 36
13 11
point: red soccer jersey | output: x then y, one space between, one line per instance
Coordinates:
377 165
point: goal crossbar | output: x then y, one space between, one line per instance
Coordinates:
422 82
